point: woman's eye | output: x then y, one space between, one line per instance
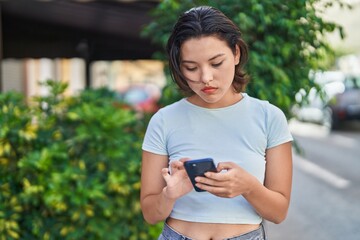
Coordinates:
217 64
191 69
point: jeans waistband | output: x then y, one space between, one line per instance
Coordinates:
170 234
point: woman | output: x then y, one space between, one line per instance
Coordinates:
248 139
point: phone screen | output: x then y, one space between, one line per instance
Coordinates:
198 167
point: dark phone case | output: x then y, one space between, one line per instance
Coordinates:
198 167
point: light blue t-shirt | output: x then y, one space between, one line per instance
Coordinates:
239 133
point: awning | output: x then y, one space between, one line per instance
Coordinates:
100 30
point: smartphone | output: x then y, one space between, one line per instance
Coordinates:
199 167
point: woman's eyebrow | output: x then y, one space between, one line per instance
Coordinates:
210 59
216 56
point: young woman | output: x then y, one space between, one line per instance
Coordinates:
248 139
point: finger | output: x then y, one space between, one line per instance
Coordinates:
180 163
219 176
218 191
177 164
165 174
184 159
209 182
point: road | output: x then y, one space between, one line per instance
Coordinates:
325 202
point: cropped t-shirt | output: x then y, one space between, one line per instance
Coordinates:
239 133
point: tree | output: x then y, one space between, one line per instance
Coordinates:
285 39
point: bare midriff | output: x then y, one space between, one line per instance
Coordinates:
209 231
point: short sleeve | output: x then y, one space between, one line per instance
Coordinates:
277 127
154 140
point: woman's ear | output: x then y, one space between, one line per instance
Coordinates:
237 54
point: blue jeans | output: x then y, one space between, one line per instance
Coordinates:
170 234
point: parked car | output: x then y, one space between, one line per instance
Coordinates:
345 105
337 101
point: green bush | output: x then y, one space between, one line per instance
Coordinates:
70 167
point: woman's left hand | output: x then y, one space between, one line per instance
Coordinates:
232 182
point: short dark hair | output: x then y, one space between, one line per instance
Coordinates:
205 21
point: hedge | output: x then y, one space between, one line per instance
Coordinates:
70 167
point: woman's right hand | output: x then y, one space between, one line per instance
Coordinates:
177 182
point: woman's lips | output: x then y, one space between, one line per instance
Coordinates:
208 90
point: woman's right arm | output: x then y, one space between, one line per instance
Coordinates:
155 205
159 189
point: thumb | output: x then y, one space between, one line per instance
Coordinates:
225 166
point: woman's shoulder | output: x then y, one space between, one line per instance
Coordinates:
264 106
173 106
172 109
256 103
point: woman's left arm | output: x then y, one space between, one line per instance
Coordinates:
270 199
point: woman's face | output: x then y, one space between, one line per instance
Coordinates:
209 65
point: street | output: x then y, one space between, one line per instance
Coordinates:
325 201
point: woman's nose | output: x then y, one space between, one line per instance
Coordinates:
206 76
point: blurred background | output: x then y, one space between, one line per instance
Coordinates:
325 196
88 44
94 44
